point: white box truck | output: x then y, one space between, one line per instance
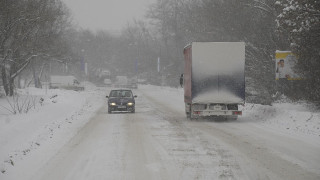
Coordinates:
213 79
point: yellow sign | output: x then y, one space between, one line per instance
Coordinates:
285 63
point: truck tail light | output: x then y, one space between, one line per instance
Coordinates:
237 112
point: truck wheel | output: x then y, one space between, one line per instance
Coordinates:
188 112
188 115
192 117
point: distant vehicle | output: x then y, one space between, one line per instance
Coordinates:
213 79
121 82
142 81
105 73
121 100
107 82
133 83
65 82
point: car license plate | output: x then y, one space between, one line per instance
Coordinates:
121 107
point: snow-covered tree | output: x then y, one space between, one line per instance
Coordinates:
182 21
299 20
29 29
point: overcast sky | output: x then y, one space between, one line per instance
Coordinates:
109 15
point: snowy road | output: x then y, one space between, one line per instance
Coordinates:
157 142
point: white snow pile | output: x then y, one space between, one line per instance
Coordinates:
295 118
42 118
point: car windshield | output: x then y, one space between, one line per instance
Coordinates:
121 93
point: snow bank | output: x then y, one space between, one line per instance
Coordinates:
297 119
54 118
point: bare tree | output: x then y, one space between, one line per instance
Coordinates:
30 29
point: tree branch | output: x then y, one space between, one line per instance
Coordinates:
23 67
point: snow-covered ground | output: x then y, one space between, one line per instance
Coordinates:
298 119
55 116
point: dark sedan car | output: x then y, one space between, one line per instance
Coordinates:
121 100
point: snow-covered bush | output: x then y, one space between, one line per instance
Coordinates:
17 104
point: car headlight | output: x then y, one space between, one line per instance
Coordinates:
113 104
130 104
